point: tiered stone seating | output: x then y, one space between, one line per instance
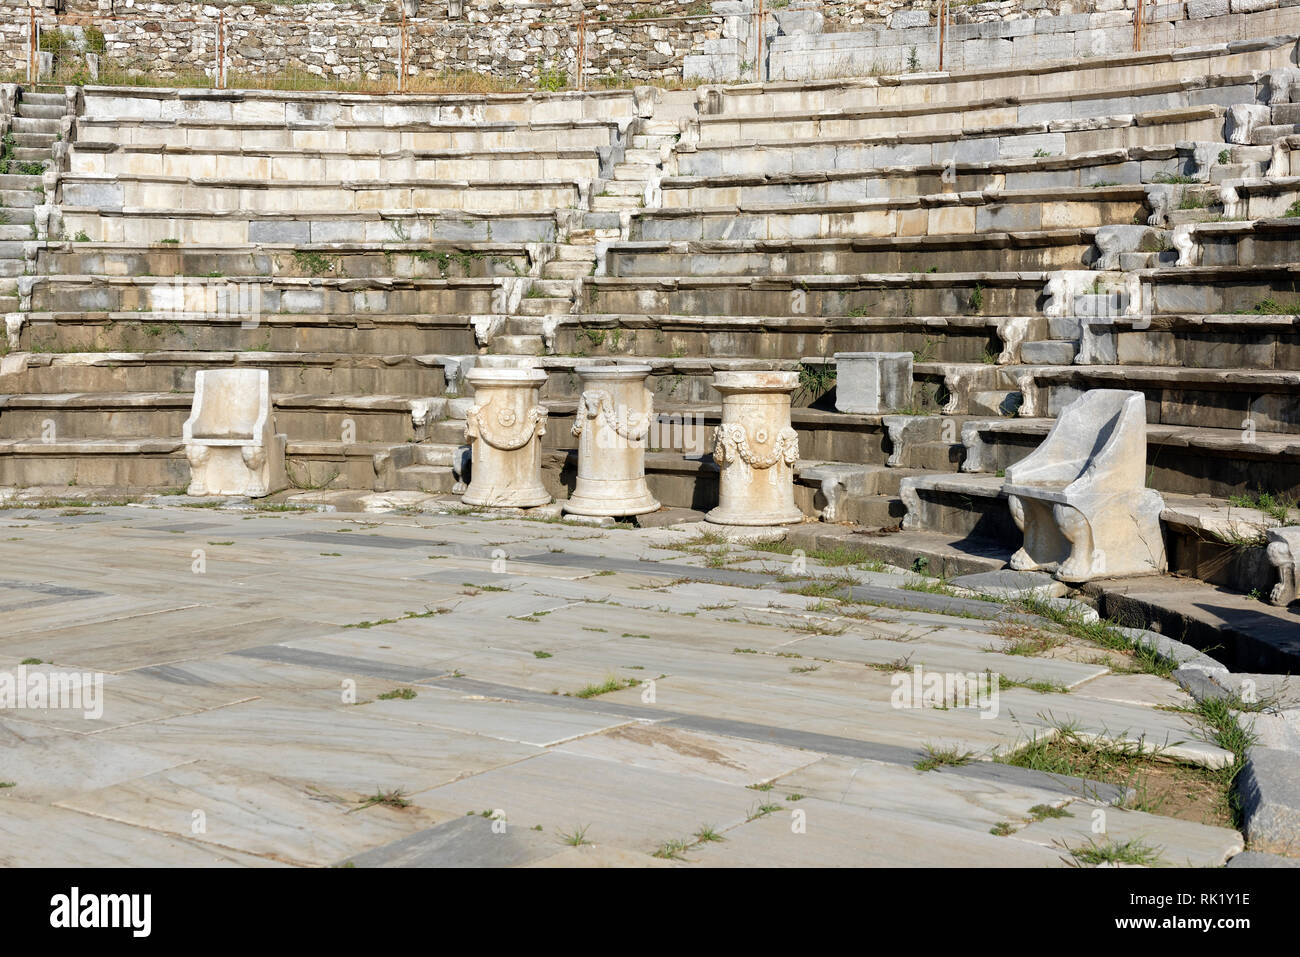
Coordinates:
1027 235
323 238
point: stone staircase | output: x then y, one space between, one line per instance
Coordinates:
30 131
588 232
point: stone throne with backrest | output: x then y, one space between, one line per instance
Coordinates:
1081 497
230 437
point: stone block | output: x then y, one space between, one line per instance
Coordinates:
1270 795
279 231
873 382
1047 352
903 19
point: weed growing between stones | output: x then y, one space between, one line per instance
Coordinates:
1133 852
1158 784
940 757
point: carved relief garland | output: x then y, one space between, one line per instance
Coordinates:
598 403
731 444
533 423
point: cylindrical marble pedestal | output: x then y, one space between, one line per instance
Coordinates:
756 448
612 421
504 428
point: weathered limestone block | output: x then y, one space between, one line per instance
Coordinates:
873 382
1080 497
1284 553
756 448
504 428
615 412
230 437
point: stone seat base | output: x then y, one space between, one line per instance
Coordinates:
1206 538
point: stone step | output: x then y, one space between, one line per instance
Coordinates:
569 252
658 128
622 187
642 172
435 479
545 306
134 463
364 418
449 431
643 157
53 111
32 154
23 124
613 203
1049 352
513 345
552 288
11 198
10 268
51 371
1225 171
16 216
35 139
1183 217
35 98
19 181
569 269
1264 135
651 142
963 252
1251 154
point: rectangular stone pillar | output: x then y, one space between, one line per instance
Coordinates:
871 383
